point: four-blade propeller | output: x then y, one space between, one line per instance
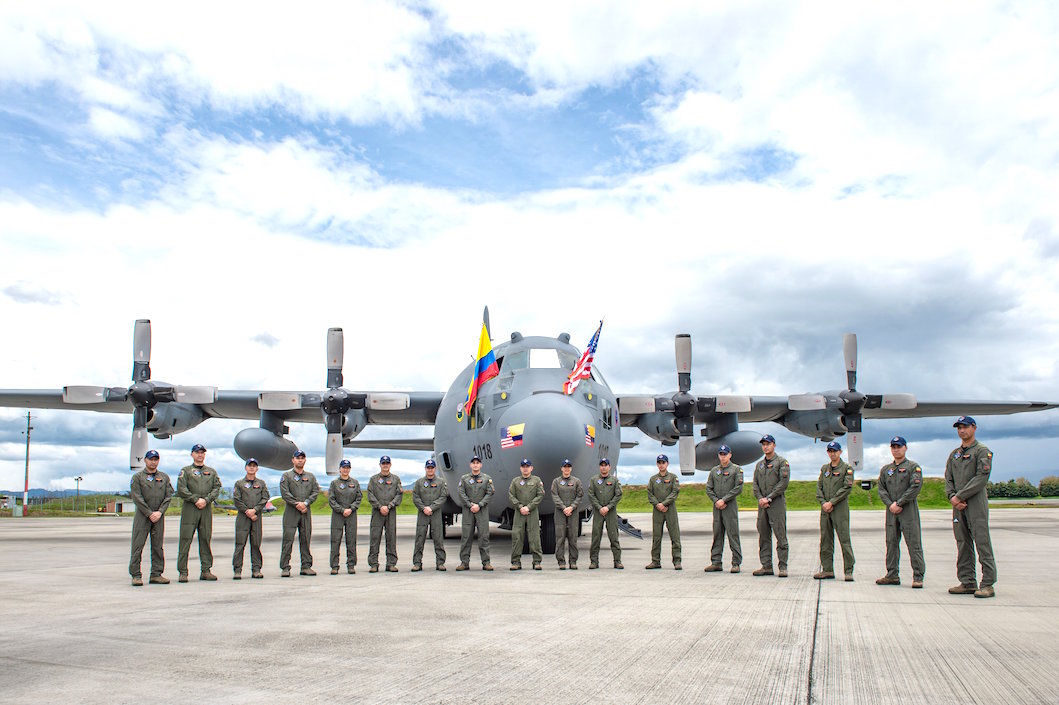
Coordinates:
143 393
335 401
851 403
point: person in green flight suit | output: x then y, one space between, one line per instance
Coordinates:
525 494
832 492
662 491
198 486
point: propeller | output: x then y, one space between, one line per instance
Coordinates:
684 404
335 401
852 403
143 393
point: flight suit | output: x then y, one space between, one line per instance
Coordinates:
526 492
664 490
727 484
834 485
966 475
430 493
342 495
296 488
195 482
604 492
475 489
566 492
383 491
248 494
901 483
771 478
150 492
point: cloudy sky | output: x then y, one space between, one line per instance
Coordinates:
763 175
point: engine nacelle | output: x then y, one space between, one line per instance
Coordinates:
823 424
745 445
167 420
659 425
355 421
271 451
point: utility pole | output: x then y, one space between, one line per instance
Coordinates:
25 492
78 481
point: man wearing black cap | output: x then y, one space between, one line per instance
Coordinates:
567 494
384 494
299 490
899 486
604 492
832 492
772 475
966 476
429 494
344 496
151 492
198 486
662 491
723 487
475 490
249 497
526 494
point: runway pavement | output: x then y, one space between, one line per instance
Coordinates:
73 630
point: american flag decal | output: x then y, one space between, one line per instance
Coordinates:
511 436
590 435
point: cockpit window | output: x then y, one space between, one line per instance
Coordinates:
538 359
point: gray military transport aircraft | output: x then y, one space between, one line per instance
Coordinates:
521 412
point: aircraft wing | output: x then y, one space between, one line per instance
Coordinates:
393 444
232 404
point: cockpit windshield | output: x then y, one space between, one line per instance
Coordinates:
537 359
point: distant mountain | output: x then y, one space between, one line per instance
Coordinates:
38 492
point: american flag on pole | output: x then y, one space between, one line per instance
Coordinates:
583 368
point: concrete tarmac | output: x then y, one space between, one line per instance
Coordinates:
74 630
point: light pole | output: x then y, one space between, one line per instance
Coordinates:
25 492
78 501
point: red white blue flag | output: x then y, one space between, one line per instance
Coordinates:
583 368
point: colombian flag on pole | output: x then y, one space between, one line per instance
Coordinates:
484 370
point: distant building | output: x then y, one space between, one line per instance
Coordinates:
119 506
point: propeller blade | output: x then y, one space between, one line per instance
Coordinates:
141 350
849 352
333 453
389 401
196 395
335 357
279 401
899 402
732 404
636 405
806 402
683 354
138 448
84 395
687 455
855 450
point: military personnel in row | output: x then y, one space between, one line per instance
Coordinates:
299 490
475 490
966 476
525 493
662 491
249 497
198 486
604 493
429 494
384 494
567 493
772 475
899 486
344 497
723 487
151 492
832 492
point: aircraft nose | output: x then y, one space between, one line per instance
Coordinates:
554 429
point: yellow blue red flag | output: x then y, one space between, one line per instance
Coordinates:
485 368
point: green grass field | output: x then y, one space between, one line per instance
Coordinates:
801 496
